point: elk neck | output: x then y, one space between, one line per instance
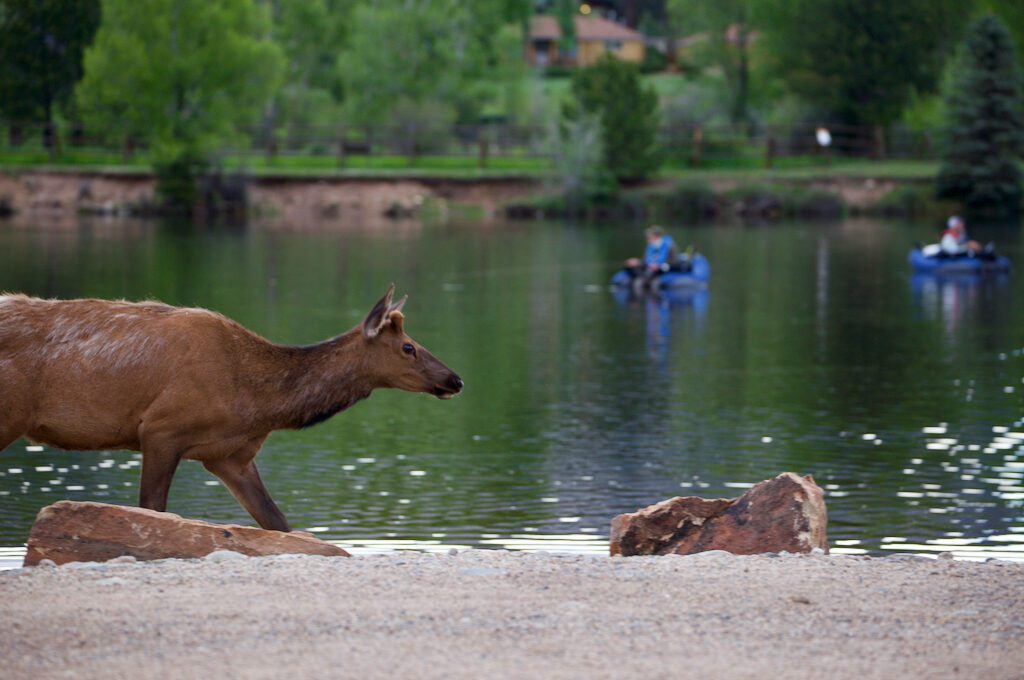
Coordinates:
302 386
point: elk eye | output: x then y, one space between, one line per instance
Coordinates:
408 348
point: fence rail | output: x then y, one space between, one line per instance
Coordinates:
474 145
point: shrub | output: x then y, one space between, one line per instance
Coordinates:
579 162
690 200
909 200
612 90
655 61
177 182
775 202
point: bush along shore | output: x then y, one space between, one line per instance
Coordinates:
697 201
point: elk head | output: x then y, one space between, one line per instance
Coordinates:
397 360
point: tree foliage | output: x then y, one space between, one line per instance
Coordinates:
309 33
727 24
182 75
858 62
984 131
612 90
427 55
41 46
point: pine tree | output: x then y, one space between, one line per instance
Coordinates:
984 133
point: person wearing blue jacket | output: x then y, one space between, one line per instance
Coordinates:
661 256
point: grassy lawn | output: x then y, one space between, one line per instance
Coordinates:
809 169
748 166
291 165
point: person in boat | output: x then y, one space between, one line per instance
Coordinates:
955 242
660 257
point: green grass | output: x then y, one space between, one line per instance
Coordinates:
292 165
811 168
748 165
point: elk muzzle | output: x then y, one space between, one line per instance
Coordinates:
451 386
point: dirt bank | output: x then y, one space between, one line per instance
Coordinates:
318 200
55 193
516 615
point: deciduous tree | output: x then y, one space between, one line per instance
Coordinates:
729 36
858 61
184 76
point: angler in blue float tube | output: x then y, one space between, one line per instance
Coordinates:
956 253
661 257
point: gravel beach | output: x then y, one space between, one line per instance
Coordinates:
500 614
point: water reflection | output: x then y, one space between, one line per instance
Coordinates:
808 353
953 299
662 310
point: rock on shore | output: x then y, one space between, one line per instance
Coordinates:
70 531
786 513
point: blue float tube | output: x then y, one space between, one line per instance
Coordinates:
698 276
962 264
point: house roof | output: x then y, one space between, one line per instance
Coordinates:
545 27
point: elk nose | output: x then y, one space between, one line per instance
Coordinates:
455 383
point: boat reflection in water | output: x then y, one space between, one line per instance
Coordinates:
952 298
659 308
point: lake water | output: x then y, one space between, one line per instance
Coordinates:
814 350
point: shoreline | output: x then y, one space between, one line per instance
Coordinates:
59 192
500 614
11 557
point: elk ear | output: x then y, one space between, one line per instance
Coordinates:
378 316
397 307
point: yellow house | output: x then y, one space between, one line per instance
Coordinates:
594 36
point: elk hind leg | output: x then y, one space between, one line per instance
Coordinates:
242 479
7 436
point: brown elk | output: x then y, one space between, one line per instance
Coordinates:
180 383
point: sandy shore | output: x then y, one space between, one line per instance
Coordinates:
497 614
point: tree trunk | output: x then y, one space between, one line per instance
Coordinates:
739 113
15 134
879 145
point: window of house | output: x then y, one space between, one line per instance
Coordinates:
613 45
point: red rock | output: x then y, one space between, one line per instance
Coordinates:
68 531
785 513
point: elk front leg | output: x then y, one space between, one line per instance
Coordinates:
158 469
6 438
240 475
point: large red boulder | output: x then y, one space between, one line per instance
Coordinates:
784 513
68 531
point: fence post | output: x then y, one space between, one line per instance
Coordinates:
879 142
128 148
698 138
271 148
769 151
51 139
341 148
482 144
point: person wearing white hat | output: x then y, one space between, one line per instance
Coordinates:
955 241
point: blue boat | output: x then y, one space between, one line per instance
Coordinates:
697 276
959 264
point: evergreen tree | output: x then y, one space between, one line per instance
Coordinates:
41 45
984 132
628 111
